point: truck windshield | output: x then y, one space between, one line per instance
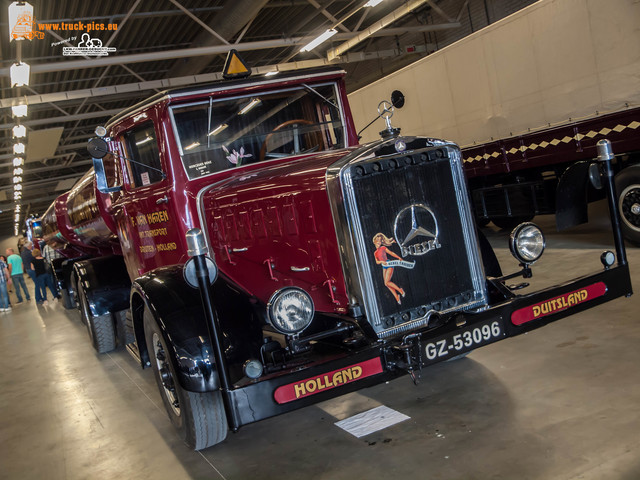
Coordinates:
220 134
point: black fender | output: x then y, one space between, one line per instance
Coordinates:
105 282
63 268
489 259
177 309
66 279
572 196
57 265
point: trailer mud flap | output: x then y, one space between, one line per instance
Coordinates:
571 196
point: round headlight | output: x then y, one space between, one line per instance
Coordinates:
290 310
527 243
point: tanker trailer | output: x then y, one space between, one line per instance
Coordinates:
79 227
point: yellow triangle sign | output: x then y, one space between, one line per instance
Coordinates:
234 66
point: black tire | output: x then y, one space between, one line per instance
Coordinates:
199 417
628 190
100 327
509 223
67 299
75 295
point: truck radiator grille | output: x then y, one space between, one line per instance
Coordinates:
412 212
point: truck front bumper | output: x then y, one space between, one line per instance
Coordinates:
387 360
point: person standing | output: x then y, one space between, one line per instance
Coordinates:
17 274
5 279
43 279
50 254
27 260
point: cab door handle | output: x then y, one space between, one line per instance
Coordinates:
162 200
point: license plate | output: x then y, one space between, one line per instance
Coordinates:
461 341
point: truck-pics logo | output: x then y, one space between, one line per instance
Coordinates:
327 381
88 47
417 225
24 27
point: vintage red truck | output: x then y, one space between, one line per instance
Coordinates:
528 98
331 266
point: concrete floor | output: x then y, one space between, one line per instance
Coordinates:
562 402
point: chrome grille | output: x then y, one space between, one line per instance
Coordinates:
418 201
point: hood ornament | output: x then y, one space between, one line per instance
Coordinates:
385 111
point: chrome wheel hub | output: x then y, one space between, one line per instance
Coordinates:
166 377
629 204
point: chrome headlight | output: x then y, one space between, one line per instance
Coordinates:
527 243
290 310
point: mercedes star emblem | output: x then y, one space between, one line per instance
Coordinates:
416 230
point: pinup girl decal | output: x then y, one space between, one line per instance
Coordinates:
381 242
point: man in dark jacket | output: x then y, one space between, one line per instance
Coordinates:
27 260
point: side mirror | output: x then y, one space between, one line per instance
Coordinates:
98 149
397 99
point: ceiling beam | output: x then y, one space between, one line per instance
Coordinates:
207 77
356 37
399 12
326 13
155 56
74 146
66 118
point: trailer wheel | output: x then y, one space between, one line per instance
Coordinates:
75 296
628 189
67 299
100 327
199 417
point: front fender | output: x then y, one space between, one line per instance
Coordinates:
105 282
177 308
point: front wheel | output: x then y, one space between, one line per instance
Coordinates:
628 190
199 417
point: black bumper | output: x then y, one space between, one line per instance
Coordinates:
384 361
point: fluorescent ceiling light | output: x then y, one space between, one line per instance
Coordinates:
17 171
17 161
323 37
19 73
372 3
19 131
17 179
18 148
20 21
17 187
192 146
218 129
19 110
253 103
